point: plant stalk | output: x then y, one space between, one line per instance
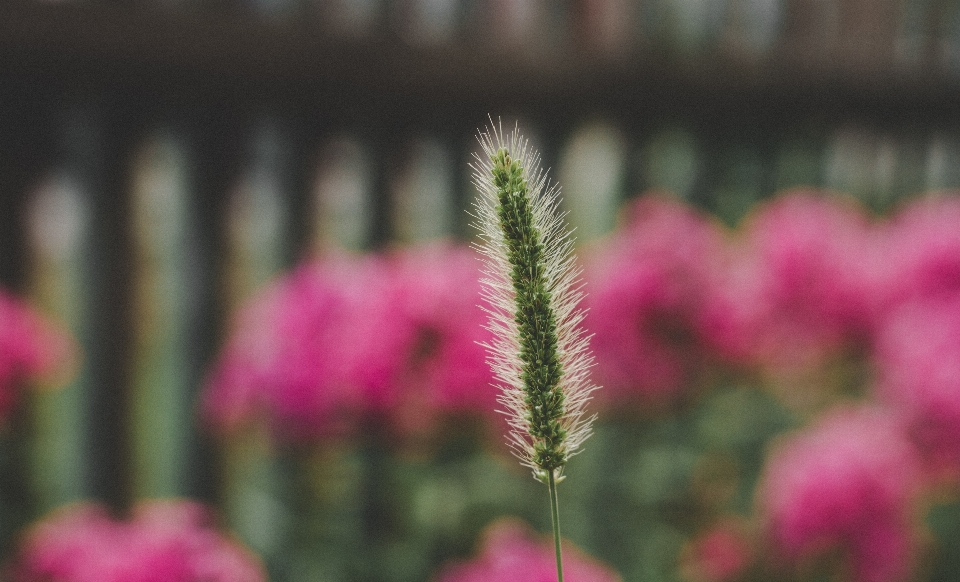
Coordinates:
555 515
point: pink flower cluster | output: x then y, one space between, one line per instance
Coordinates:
811 278
671 292
798 284
648 289
918 366
511 553
444 366
721 554
170 541
918 341
921 251
847 483
394 336
30 348
808 279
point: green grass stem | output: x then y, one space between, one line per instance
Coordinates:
555 515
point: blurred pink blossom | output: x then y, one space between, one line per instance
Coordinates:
801 284
512 553
921 250
165 541
312 351
844 485
30 347
393 336
445 368
721 554
647 287
917 357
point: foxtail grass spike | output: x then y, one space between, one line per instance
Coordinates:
539 354
532 288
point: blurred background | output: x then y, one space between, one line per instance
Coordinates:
162 160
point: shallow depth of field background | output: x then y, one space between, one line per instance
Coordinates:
161 161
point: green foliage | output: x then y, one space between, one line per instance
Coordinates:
371 512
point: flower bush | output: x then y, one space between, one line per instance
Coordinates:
310 352
705 338
164 541
31 348
921 251
510 552
722 553
919 374
649 288
342 339
799 284
445 369
846 484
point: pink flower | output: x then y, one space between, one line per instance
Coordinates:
165 541
445 368
647 288
313 351
922 250
30 348
394 337
511 553
845 484
721 554
801 284
918 367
